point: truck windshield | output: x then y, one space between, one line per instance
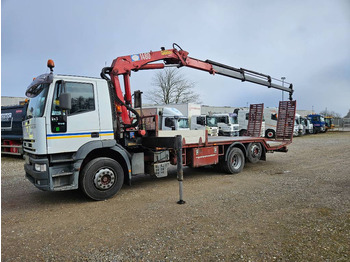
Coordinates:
37 104
328 121
233 120
183 122
211 121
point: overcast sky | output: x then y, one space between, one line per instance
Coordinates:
308 42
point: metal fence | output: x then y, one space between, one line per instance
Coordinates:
341 124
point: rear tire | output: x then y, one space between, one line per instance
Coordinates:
101 178
235 161
254 152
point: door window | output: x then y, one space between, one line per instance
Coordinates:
82 97
83 100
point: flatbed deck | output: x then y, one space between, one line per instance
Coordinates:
269 144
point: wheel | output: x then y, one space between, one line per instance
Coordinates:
101 178
270 133
235 161
254 152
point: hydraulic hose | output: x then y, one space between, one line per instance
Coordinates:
104 72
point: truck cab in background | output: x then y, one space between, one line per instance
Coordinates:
228 124
329 123
270 116
209 123
318 122
309 127
11 128
243 118
299 126
169 118
302 126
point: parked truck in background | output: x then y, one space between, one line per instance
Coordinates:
169 118
197 121
227 124
83 132
243 119
329 123
308 125
318 122
270 116
187 109
299 126
205 122
11 128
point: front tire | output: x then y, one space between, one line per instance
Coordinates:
101 178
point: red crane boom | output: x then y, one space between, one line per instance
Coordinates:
174 57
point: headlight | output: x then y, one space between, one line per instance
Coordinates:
40 167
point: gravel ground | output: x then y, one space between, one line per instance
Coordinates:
293 207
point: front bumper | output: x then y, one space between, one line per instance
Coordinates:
40 179
56 177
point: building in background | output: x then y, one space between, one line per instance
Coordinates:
11 100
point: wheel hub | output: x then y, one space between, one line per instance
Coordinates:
235 161
255 151
104 179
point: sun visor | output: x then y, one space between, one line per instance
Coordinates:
37 85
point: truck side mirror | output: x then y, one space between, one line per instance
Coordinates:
65 101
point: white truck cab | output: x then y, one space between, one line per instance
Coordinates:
270 116
205 122
53 135
169 118
299 126
228 124
243 118
309 125
173 119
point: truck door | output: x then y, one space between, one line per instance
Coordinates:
68 130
